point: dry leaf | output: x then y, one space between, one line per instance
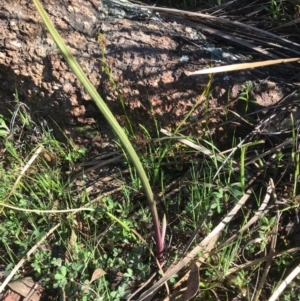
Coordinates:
26 287
98 273
22 286
73 238
192 284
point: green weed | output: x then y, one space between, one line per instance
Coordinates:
275 8
106 253
245 95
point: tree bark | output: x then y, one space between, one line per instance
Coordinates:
146 59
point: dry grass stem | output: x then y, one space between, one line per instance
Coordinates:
27 165
243 66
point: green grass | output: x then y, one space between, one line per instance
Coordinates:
105 251
116 237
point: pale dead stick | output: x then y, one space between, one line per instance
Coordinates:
221 20
270 256
243 66
225 21
290 277
28 164
149 294
199 148
23 260
277 148
45 211
35 247
199 261
262 210
285 283
33 157
260 260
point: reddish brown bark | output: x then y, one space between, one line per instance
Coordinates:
147 59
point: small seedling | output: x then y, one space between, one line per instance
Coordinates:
275 8
4 130
245 95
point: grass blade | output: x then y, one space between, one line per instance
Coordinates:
109 117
